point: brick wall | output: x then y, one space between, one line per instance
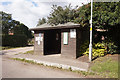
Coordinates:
38 49
68 50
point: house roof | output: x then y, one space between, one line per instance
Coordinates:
59 26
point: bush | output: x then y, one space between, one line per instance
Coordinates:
98 50
95 52
112 48
99 45
14 40
31 41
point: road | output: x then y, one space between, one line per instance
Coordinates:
19 69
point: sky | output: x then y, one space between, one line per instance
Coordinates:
29 12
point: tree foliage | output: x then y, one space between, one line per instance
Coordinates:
10 25
83 15
105 15
41 21
60 15
6 19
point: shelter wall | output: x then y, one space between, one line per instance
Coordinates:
82 37
68 50
38 48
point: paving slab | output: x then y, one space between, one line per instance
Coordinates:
56 61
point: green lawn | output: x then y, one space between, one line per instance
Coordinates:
105 67
29 52
7 47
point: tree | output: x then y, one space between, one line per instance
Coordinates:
21 29
41 21
6 20
60 15
10 25
105 15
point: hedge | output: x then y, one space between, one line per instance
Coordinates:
14 40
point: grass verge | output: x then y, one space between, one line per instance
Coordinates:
29 52
7 47
105 67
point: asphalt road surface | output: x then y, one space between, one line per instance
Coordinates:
19 69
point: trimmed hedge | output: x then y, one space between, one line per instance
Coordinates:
14 40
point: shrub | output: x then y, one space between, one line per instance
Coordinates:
98 50
31 41
112 48
99 45
14 40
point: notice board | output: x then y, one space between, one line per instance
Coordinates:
65 38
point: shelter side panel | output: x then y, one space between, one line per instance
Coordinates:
38 43
68 44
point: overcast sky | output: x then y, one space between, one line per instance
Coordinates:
29 11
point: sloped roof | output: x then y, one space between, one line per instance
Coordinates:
59 26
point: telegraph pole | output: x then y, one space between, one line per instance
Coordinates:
90 45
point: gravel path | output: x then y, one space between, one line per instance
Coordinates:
17 50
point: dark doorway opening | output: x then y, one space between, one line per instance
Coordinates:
52 42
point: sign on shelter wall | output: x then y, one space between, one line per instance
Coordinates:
72 33
65 38
39 38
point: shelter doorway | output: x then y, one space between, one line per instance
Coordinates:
52 42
